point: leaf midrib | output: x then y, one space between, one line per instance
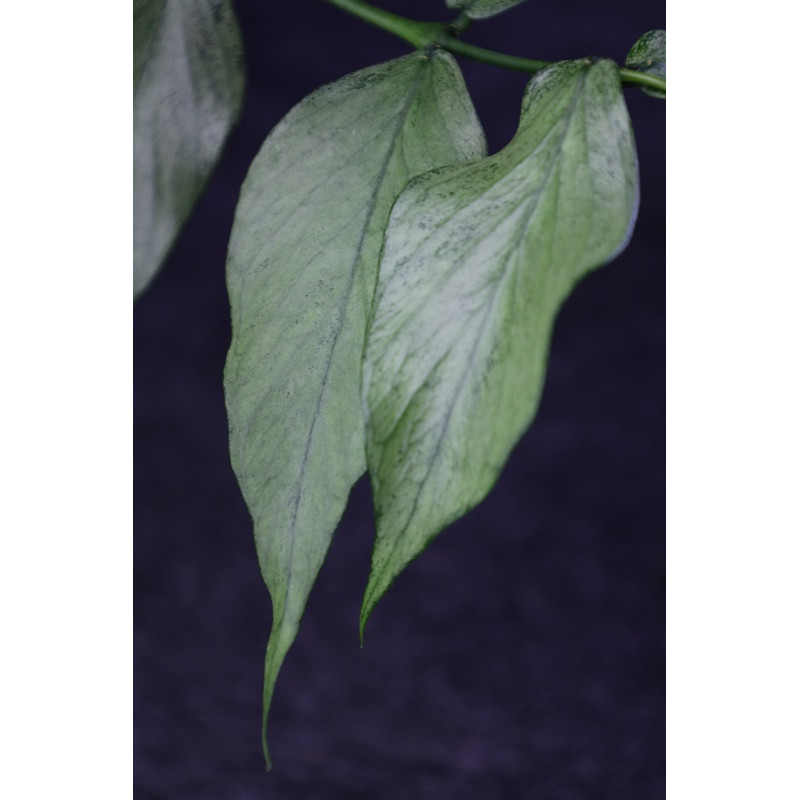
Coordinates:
342 307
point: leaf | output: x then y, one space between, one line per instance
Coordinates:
476 263
480 9
302 268
649 55
146 15
188 84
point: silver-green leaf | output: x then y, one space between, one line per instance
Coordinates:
188 83
476 263
480 9
649 55
302 268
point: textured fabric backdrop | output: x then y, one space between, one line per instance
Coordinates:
522 656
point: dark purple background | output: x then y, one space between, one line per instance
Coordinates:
522 656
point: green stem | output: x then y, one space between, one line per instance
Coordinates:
426 34
461 23
630 77
419 34
490 56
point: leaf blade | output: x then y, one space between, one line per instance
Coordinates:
481 9
477 260
146 16
188 89
301 271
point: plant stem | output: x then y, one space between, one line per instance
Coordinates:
461 23
490 56
425 34
631 76
419 34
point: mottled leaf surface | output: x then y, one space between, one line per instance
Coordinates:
477 261
649 55
146 15
302 268
480 9
188 82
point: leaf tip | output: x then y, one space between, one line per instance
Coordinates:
377 585
265 750
280 640
264 744
362 624
376 588
371 597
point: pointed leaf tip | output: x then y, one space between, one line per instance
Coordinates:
280 640
368 604
267 759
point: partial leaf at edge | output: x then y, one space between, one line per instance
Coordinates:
649 55
477 261
188 88
480 9
146 16
302 268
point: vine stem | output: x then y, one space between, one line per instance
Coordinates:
440 34
419 34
